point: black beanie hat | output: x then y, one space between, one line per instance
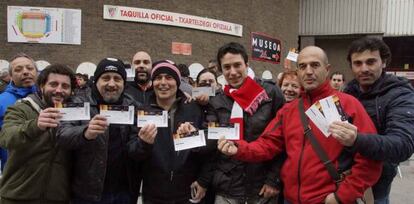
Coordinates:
110 65
166 67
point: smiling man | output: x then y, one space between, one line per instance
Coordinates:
305 177
169 174
38 170
23 72
252 103
102 170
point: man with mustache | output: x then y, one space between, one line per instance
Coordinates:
23 72
306 178
141 87
389 100
102 170
37 171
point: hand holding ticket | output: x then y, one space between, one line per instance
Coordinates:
48 118
326 111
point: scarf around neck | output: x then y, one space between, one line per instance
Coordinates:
246 98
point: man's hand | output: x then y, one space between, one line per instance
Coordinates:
330 199
96 126
268 191
200 191
185 128
344 132
48 118
202 99
148 133
227 147
188 99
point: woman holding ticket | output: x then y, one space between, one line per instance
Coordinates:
173 162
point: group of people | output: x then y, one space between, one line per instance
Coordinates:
273 161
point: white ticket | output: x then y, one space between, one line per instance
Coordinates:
231 132
329 109
195 139
118 114
74 111
208 90
158 118
315 115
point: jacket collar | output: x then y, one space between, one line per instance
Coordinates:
20 91
323 91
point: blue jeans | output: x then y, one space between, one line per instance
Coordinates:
107 198
385 200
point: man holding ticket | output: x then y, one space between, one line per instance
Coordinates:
305 176
37 170
172 168
242 113
102 170
389 100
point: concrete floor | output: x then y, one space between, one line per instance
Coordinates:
402 190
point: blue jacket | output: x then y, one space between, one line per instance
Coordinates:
390 104
8 98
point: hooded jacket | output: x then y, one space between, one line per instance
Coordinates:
390 104
37 168
305 177
7 98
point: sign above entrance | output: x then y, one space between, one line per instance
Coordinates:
265 48
123 13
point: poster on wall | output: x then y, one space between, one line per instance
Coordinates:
123 13
265 48
178 48
43 25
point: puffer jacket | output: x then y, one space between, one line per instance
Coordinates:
390 104
168 174
305 177
90 156
242 180
37 168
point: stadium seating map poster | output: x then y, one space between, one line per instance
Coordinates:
265 48
43 25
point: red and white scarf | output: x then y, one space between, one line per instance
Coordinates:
246 98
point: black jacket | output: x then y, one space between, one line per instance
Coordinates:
167 174
139 95
241 180
90 156
390 104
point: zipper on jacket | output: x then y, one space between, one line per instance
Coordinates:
299 165
171 175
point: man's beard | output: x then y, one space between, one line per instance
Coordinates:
141 80
47 97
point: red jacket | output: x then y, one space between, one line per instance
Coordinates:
305 178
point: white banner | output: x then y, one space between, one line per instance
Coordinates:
123 13
43 25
